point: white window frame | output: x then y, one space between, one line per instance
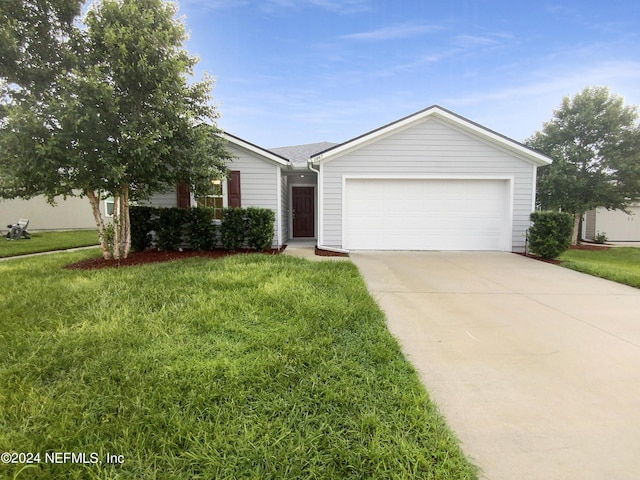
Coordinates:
225 196
107 201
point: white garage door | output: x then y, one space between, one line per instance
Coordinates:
419 214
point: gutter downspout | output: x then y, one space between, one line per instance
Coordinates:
321 212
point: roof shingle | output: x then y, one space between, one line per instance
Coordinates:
299 154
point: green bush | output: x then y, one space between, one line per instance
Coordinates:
601 237
143 221
260 223
201 229
196 228
550 234
232 229
172 228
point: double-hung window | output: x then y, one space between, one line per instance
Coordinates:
213 199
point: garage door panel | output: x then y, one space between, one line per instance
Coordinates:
403 214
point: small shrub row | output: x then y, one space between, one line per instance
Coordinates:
550 234
251 226
232 230
171 228
143 222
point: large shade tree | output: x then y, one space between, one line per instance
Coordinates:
33 40
593 138
120 119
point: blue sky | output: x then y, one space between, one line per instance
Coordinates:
302 71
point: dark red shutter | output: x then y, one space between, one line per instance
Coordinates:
233 189
184 195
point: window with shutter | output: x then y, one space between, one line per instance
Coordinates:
213 199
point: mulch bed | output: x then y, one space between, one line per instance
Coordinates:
589 246
555 261
329 253
156 256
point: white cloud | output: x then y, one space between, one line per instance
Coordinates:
343 7
574 79
214 4
394 31
474 41
418 63
519 110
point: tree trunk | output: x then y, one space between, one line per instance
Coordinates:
576 228
94 200
116 225
121 224
125 224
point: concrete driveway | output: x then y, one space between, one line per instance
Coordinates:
535 367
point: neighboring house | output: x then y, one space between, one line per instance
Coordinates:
617 225
429 181
74 213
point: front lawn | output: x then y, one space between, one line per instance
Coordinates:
620 264
48 241
251 367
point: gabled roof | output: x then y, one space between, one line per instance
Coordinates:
299 154
263 152
445 115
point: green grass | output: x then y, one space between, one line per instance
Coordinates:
618 264
252 367
48 241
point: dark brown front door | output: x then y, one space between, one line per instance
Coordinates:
303 201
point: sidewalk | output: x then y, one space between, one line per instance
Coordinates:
306 249
47 253
295 248
623 244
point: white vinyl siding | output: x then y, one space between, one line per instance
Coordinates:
284 208
258 179
258 182
429 148
163 200
617 225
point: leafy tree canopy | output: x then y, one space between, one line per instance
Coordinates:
593 138
121 119
32 36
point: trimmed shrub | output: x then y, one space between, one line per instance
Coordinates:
550 234
143 221
232 229
260 222
196 228
172 227
201 229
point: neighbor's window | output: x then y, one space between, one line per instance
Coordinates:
213 199
108 206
